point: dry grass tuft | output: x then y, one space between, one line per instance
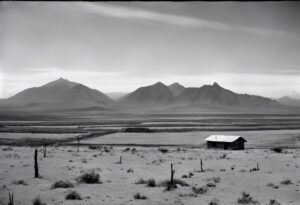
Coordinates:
273 202
286 182
246 199
20 182
139 196
141 181
169 187
151 183
90 178
38 201
73 195
62 184
200 190
214 202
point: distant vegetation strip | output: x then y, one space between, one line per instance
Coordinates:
55 142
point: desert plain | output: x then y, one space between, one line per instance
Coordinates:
135 168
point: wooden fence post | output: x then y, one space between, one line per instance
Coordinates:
201 165
11 198
36 167
172 177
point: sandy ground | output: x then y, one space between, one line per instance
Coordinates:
118 187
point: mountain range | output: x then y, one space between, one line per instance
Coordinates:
59 94
64 94
289 101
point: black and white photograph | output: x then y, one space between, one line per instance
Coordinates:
149 103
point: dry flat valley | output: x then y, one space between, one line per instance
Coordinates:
114 166
225 176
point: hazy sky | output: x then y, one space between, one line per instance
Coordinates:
248 47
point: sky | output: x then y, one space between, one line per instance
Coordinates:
247 47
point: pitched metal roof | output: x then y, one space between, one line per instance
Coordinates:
223 138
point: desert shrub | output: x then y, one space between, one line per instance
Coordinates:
139 196
93 147
246 199
7 149
141 181
89 178
151 183
286 182
190 194
133 151
216 179
73 195
169 186
273 202
214 202
163 150
62 184
270 184
211 185
19 182
277 149
166 183
200 190
84 160
126 149
130 170
38 201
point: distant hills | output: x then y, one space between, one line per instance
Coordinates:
216 95
59 94
289 101
157 94
67 95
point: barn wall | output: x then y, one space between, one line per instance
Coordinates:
236 145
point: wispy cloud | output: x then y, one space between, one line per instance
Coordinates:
122 12
134 13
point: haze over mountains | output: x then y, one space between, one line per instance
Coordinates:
290 101
64 94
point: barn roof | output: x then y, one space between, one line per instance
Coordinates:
223 138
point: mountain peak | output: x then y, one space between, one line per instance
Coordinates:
61 82
157 93
159 84
176 88
216 85
61 94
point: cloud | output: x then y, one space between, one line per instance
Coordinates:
176 20
134 13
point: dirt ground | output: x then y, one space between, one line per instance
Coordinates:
226 174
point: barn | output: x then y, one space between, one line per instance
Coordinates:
226 142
